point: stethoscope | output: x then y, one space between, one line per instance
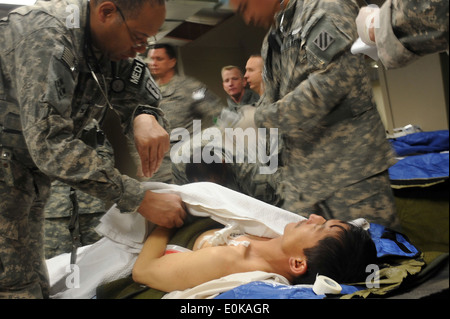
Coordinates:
117 84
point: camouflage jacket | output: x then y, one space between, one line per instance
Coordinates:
319 97
250 97
409 29
48 94
185 99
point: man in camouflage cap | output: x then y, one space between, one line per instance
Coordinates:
404 30
334 155
64 63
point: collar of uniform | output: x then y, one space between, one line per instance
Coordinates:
95 57
284 17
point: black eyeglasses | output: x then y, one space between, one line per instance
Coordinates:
138 44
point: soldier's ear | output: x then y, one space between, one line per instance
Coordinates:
173 63
107 10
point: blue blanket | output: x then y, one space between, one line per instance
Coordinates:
421 143
421 167
426 156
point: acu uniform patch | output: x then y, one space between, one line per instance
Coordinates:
137 75
69 59
137 72
199 94
153 89
325 40
61 76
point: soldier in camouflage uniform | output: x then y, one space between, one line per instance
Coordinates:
62 64
404 30
334 155
232 80
62 228
58 214
184 99
222 165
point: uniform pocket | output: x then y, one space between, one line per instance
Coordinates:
13 213
15 202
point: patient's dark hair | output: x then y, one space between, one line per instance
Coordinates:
343 258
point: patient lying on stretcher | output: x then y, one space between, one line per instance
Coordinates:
313 246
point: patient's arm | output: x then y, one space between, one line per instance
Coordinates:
180 271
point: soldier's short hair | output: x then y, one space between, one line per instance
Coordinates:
232 67
170 49
131 7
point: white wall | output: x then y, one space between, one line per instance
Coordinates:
415 94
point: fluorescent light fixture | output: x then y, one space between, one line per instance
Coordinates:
18 2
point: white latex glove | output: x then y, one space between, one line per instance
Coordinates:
368 18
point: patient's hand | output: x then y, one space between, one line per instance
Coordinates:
167 210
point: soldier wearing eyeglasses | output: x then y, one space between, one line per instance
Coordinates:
56 76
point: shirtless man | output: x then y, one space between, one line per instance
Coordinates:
332 248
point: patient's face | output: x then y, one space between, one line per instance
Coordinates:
307 233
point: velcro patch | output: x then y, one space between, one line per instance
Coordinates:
137 72
69 59
60 88
323 40
199 94
151 87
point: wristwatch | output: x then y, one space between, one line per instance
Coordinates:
145 110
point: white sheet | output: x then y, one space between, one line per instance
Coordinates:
97 264
124 233
206 200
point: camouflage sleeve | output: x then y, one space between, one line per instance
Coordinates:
324 72
140 90
207 104
409 29
45 87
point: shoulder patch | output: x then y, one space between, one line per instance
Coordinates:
137 72
68 58
325 41
153 89
199 94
